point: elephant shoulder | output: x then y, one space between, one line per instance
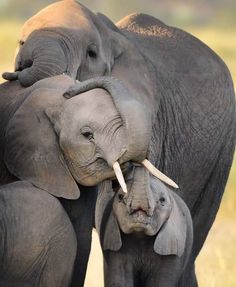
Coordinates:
143 24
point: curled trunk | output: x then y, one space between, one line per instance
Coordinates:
42 56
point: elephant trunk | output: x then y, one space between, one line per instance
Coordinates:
41 56
135 117
140 196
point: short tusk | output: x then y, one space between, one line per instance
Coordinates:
119 176
154 171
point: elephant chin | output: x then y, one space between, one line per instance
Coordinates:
138 223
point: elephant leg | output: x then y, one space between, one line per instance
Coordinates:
37 240
205 209
165 273
82 215
188 278
119 270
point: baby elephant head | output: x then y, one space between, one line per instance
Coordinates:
151 210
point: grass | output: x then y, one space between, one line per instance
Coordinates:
216 264
9 31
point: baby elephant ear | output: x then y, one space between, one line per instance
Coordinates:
172 236
32 151
106 223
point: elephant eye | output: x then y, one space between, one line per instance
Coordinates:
162 200
120 196
88 134
91 52
21 42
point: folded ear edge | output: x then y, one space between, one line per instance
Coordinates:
171 239
112 237
32 152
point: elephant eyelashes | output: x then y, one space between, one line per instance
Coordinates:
88 135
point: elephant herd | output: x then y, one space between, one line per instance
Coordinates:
126 127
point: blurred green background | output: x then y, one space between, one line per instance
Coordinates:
212 21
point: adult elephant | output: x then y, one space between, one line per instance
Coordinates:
185 86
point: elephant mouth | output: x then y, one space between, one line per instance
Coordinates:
141 227
95 171
141 223
140 216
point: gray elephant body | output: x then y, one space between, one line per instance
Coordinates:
136 264
37 240
189 92
185 86
63 146
143 247
80 212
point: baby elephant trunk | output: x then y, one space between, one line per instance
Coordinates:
140 196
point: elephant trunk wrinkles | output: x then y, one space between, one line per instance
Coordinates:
43 55
48 62
140 195
135 116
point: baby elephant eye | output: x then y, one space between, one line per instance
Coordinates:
120 196
162 200
87 134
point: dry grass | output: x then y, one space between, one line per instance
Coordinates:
217 262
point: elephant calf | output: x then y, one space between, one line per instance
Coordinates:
37 241
146 236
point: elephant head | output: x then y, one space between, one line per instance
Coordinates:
150 208
54 142
60 135
65 38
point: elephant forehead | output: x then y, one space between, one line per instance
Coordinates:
66 14
94 105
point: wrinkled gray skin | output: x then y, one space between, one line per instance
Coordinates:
146 235
81 212
184 85
44 134
37 240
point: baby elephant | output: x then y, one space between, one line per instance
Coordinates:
146 234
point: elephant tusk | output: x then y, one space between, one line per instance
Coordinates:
154 171
119 176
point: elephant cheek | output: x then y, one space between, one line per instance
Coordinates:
93 174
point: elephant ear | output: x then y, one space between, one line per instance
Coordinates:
172 236
106 222
33 152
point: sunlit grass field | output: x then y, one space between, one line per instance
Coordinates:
216 265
